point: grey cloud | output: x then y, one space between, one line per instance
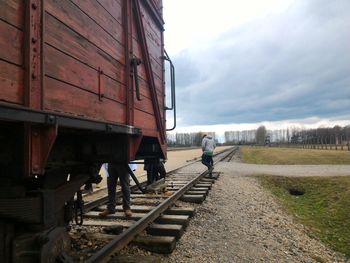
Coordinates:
291 65
186 68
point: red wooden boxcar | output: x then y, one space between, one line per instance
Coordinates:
81 83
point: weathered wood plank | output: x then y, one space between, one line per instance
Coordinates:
145 90
197 192
199 189
11 83
208 180
149 195
137 208
134 259
193 198
189 211
82 49
96 222
165 230
104 19
149 22
204 185
117 215
12 11
155 63
162 245
65 68
159 5
144 105
73 17
11 41
144 120
114 7
173 220
65 98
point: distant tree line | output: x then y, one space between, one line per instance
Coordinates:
256 136
240 137
187 139
336 135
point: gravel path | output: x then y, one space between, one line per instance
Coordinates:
241 222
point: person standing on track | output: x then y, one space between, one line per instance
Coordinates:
208 147
115 171
155 171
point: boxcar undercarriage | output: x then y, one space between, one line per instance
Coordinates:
43 205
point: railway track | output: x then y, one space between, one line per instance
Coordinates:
157 213
230 155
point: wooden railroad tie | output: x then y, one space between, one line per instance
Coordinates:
157 244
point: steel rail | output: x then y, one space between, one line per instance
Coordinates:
128 235
123 239
103 200
229 156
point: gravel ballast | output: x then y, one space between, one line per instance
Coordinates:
241 222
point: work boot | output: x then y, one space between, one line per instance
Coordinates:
127 212
105 213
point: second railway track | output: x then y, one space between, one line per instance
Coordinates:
156 213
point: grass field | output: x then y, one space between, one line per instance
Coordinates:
269 155
323 205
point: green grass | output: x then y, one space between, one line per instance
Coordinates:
269 155
324 207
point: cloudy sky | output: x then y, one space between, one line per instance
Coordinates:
252 61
